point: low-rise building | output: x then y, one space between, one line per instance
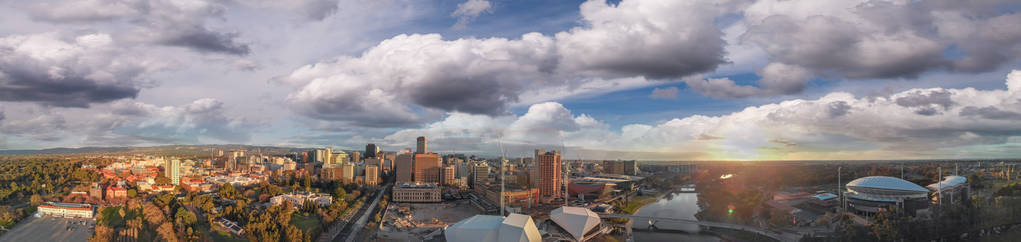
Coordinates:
300 198
116 192
417 193
77 210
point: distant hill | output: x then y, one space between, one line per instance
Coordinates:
165 149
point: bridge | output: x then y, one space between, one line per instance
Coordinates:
779 236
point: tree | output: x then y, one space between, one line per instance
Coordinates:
227 191
102 233
35 199
132 193
294 234
162 180
339 193
186 217
166 230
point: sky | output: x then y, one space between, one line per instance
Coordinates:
628 79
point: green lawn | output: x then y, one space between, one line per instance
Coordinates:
307 224
637 202
112 217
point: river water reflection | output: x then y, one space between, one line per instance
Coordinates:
677 205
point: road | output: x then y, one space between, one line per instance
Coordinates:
780 236
364 217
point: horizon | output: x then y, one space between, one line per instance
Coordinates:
628 79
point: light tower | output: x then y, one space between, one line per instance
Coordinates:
503 160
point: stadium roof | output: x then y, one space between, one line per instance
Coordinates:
948 182
489 228
885 182
576 220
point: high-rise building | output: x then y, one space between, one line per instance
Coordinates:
619 167
349 172
480 173
371 175
422 145
448 175
356 156
173 168
405 167
427 168
371 150
548 164
338 158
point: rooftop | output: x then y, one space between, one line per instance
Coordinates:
885 182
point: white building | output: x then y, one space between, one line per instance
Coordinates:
80 210
299 198
489 228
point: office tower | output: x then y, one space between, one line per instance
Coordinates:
549 172
481 174
371 150
371 175
356 156
422 145
338 158
448 174
427 168
620 167
173 171
405 166
349 172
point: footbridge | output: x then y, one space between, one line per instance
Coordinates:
779 236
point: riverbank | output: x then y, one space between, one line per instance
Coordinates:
638 202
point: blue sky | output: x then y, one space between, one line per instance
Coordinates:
642 79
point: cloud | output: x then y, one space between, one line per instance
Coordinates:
665 93
870 40
655 39
171 23
990 113
204 40
85 10
468 11
837 125
69 72
129 122
403 79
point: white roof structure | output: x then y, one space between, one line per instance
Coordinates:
948 182
519 228
884 189
478 228
576 220
490 228
885 182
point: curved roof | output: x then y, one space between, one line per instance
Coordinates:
576 220
948 182
885 182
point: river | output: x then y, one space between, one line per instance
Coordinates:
679 205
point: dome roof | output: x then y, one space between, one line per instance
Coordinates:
948 182
885 182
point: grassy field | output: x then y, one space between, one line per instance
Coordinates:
308 224
637 202
219 236
112 217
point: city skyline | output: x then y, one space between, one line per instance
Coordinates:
646 80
